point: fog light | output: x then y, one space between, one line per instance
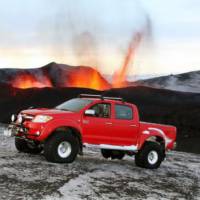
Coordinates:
38 133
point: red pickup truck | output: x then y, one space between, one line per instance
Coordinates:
107 123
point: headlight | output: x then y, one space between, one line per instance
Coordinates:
19 118
42 118
13 118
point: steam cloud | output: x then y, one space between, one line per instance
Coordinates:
103 34
94 33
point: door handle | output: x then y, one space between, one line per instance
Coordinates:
109 123
133 125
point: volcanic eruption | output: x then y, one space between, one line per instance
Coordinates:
61 75
85 51
54 75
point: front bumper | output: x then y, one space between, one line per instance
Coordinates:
14 129
21 131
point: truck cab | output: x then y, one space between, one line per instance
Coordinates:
110 122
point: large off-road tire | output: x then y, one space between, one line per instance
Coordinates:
24 146
150 156
61 147
113 154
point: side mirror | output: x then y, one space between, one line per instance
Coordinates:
90 112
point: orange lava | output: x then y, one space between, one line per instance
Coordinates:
92 80
25 81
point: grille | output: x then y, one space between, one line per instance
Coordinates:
27 117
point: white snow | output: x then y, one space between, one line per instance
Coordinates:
176 178
92 177
189 82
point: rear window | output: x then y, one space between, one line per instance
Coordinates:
123 112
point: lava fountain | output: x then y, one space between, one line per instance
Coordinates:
119 77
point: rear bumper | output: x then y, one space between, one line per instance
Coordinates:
174 145
171 146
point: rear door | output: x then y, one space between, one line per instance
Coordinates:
97 129
125 125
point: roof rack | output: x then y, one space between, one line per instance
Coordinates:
100 97
90 96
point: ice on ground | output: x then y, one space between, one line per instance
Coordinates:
25 176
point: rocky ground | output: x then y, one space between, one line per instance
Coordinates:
24 176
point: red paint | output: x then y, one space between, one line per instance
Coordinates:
95 130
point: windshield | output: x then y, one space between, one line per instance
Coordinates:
74 105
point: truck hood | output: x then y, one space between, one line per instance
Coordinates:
45 111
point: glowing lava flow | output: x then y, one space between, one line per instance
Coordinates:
83 77
92 80
25 81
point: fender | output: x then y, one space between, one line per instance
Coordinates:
153 132
54 124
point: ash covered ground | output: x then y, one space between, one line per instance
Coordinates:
25 176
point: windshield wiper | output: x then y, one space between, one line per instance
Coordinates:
64 109
61 109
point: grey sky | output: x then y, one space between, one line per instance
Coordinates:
97 33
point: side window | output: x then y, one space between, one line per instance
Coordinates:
102 110
123 112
